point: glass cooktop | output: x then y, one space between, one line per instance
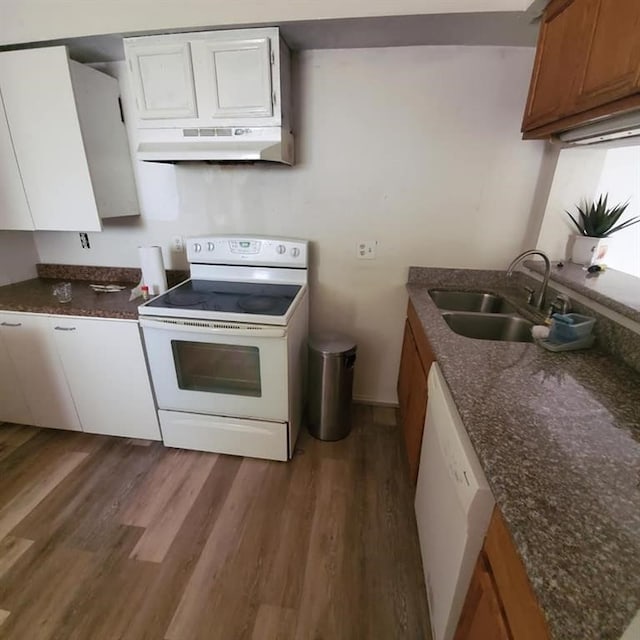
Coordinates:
269 299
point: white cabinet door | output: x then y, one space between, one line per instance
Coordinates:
14 208
41 111
32 350
233 78
13 406
105 367
162 80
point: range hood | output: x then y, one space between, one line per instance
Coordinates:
215 144
619 127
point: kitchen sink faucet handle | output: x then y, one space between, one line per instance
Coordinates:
560 304
530 294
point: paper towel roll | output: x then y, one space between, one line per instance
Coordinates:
153 273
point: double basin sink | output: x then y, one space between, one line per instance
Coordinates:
481 315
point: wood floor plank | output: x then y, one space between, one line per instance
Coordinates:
274 623
136 442
322 547
114 591
11 549
282 578
323 595
220 546
385 416
164 593
157 489
83 511
162 530
12 436
43 600
234 597
18 508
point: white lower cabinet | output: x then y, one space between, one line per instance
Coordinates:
105 368
13 406
75 373
32 349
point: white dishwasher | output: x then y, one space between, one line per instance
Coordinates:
453 507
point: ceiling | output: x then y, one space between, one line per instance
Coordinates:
517 29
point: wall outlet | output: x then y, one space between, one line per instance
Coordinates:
84 240
177 244
366 249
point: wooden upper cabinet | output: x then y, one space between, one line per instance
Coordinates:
587 65
613 65
560 59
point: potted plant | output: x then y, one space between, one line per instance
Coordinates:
595 222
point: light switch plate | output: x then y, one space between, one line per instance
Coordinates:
366 249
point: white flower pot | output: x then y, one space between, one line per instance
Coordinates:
587 250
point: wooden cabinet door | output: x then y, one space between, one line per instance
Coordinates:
162 79
482 617
38 370
412 396
105 367
43 120
14 208
233 78
613 64
405 374
13 406
560 61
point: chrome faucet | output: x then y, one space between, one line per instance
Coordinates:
537 300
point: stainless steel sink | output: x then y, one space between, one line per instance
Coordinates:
477 301
489 327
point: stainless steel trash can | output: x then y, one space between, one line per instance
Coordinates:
331 361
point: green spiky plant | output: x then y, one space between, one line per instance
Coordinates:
597 220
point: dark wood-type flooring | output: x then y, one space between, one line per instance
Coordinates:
104 538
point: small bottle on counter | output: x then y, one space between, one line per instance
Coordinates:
144 289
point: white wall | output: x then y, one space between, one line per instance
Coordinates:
418 148
621 180
575 179
18 256
33 20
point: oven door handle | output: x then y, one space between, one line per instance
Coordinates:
203 327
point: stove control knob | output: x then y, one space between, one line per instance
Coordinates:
210 246
280 249
295 252
197 247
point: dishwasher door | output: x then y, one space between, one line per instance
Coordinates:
453 506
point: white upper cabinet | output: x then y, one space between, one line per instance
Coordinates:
162 80
69 141
234 77
210 79
14 208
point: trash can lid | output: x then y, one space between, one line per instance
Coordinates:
331 343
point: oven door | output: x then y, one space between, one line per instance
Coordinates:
218 368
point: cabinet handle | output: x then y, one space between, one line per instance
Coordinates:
11 324
65 328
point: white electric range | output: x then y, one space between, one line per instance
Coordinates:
227 347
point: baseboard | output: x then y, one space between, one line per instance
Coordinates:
375 403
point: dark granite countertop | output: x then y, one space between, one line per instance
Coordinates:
558 436
35 296
614 289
